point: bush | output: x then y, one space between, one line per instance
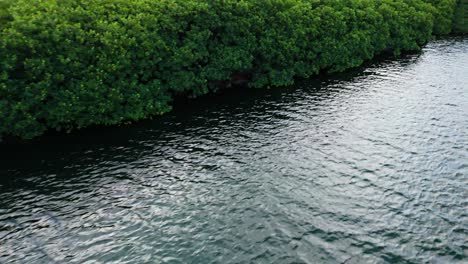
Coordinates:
67 64
443 15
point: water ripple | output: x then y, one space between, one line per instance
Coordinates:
369 166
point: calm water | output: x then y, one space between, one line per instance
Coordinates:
370 166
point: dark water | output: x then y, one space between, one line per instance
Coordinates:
370 166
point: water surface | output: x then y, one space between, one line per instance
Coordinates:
370 166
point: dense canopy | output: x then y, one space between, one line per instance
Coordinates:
68 64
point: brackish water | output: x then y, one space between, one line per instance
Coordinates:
370 166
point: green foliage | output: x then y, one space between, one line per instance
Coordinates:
460 19
443 15
68 64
